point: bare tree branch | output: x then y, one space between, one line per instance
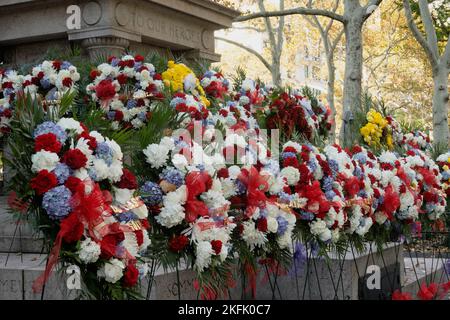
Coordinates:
429 28
330 24
249 28
337 39
294 11
257 54
419 37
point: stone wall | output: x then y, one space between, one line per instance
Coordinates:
31 27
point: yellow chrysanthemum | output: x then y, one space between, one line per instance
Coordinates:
175 76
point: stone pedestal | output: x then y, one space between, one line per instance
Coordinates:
111 27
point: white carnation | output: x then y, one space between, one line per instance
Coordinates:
291 174
112 270
70 124
89 251
44 160
156 155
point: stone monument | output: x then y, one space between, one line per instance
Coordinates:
31 27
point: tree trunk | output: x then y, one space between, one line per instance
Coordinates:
330 95
440 107
276 71
353 68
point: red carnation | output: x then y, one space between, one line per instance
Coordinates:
43 182
72 183
391 202
138 58
75 159
94 74
118 115
216 246
7 113
67 82
178 243
105 90
223 173
122 78
127 181
57 65
48 142
71 228
351 186
130 276
261 224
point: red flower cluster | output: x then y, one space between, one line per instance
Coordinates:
105 90
43 182
127 181
130 276
178 243
75 159
47 142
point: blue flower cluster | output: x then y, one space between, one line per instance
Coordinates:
57 202
282 225
62 172
151 193
172 176
50 127
104 152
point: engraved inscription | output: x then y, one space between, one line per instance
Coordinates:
164 28
10 286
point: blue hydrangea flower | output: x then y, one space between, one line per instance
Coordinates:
330 195
357 172
285 197
131 104
263 212
65 65
286 155
111 115
240 187
309 216
362 194
45 83
151 193
175 101
327 183
360 157
142 116
334 166
127 217
57 202
282 225
62 172
115 62
92 174
312 165
50 127
209 74
172 176
104 152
